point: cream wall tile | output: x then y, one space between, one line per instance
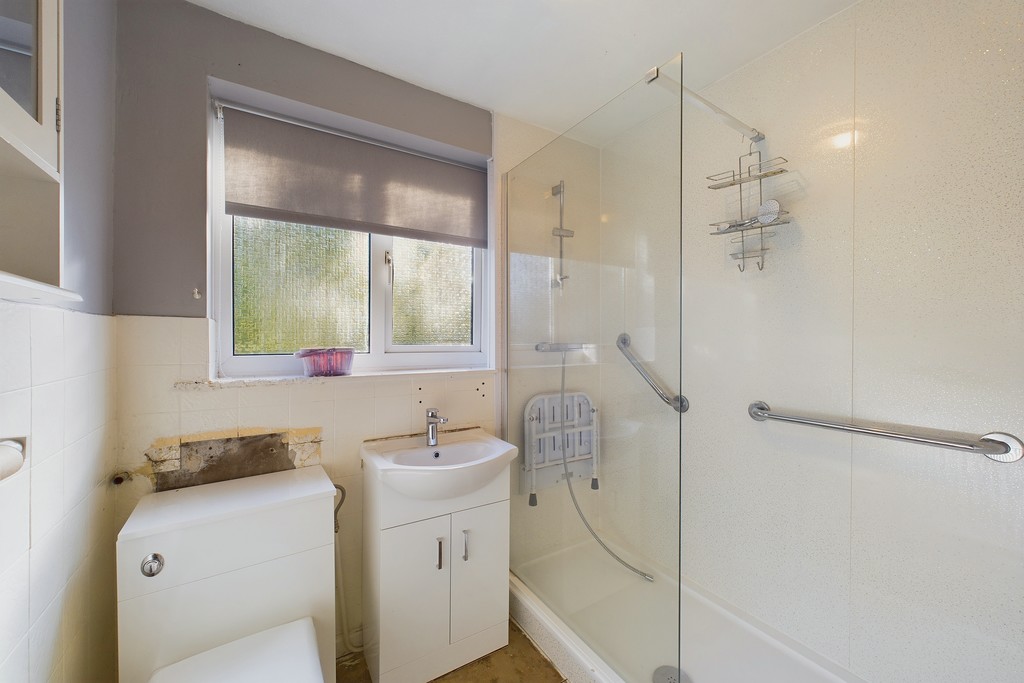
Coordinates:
386 387
14 511
319 414
47 338
14 617
352 416
46 496
209 398
147 389
261 419
195 341
140 432
15 347
312 391
209 424
267 395
393 417
354 387
47 420
150 340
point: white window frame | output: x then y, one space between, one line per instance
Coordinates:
383 355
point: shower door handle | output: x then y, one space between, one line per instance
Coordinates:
465 545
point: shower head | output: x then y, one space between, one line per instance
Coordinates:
556 190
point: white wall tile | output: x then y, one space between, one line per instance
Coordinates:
16 414
89 343
48 569
14 616
84 464
47 420
15 669
45 645
15 347
84 411
46 496
47 337
14 511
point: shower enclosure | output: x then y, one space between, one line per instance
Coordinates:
848 257
594 375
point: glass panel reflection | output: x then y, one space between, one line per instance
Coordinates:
19 20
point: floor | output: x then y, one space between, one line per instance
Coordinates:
518 662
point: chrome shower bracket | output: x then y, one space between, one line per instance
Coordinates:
561 232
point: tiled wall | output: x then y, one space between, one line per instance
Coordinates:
894 296
57 591
164 395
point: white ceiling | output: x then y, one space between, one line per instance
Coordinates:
547 62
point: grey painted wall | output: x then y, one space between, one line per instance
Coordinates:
166 50
89 94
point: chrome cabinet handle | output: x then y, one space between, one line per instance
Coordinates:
465 545
440 545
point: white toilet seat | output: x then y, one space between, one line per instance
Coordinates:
283 653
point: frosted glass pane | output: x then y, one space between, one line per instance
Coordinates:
433 294
299 285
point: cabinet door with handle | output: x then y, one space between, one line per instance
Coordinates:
479 569
414 590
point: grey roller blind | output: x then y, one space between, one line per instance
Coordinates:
288 172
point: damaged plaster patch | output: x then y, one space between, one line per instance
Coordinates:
180 462
212 460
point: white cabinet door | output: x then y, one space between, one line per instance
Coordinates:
414 590
479 569
30 60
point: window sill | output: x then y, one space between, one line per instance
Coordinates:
229 382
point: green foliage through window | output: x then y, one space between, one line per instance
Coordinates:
298 286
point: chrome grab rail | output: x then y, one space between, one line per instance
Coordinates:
996 446
678 402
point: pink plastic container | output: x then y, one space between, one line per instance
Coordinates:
326 362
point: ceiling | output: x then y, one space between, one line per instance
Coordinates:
546 62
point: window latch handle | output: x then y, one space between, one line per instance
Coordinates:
390 263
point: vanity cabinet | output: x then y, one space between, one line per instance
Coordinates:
31 195
435 589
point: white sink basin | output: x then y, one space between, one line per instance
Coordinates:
461 463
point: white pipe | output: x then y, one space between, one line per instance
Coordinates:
752 134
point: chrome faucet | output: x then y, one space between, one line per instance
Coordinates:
433 419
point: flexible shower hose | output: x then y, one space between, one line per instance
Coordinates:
572 494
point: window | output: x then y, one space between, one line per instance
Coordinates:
325 240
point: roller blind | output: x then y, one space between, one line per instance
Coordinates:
288 172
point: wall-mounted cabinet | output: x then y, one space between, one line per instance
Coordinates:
31 216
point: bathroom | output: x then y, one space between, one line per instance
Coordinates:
892 297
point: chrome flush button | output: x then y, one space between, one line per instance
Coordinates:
152 564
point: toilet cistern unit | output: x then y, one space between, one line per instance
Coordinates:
232 581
